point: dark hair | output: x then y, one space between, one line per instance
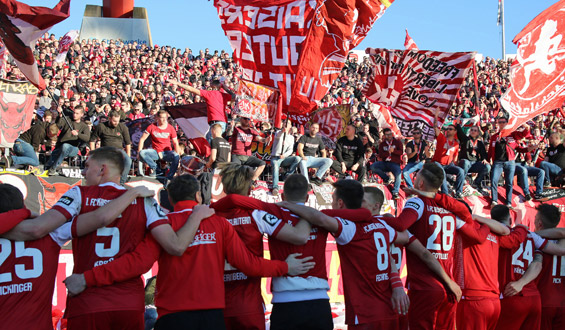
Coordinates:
183 188
386 130
377 194
113 114
350 192
296 188
11 198
216 82
433 175
111 155
549 215
500 213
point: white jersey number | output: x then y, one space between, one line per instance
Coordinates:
526 252
114 248
382 251
20 252
556 267
444 226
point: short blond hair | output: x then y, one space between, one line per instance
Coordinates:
236 178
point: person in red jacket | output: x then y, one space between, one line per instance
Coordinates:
390 153
189 288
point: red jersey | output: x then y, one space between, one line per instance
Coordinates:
446 151
436 228
106 244
513 263
242 139
216 104
181 286
551 281
161 138
480 265
364 254
27 281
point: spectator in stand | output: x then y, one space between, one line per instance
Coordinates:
389 160
350 154
242 138
220 148
502 155
417 151
473 156
524 170
137 112
28 143
281 155
554 163
216 102
162 134
112 133
312 150
447 149
73 133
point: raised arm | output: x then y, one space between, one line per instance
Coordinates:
175 243
184 86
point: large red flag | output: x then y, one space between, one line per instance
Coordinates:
414 83
538 73
298 47
21 26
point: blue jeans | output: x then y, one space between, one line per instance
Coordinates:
523 172
409 169
509 168
551 170
478 167
150 157
382 167
60 153
291 162
459 180
25 154
127 167
322 164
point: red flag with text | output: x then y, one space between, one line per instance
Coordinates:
17 102
538 73
193 120
298 47
409 42
22 26
413 83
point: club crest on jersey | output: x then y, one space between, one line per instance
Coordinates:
270 219
66 200
159 210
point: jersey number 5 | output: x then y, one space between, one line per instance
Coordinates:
100 248
20 251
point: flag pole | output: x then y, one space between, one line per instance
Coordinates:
503 33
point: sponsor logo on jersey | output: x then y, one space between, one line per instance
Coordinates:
413 205
270 219
66 200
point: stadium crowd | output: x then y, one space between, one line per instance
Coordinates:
102 85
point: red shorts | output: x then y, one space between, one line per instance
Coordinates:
553 318
431 310
377 325
478 313
114 320
248 322
519 312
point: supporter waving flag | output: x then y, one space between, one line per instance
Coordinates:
65 44
413 83
278 43
21 26
538 72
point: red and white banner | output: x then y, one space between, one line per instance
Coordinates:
332 120
256 101
383 116
17 101
409 42
3 55
22 25
64 45
298 47
538 72
193 120
414 83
